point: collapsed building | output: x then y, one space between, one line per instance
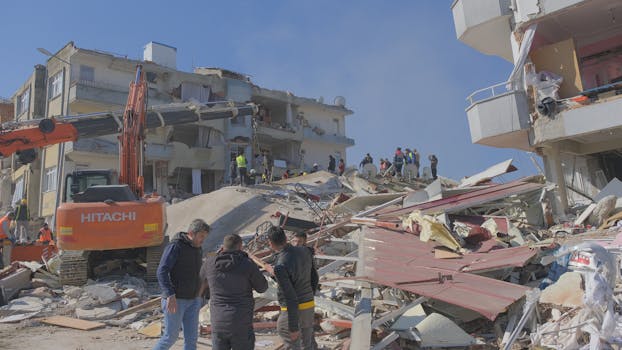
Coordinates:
562 97
181 161
404 264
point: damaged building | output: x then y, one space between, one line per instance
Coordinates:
562 97
181 161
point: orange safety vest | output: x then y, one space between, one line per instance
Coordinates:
4 235
45 235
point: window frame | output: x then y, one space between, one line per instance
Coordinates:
23 106
55 85
50 174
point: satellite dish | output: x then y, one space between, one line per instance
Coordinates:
340 101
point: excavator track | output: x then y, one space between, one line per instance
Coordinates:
74 267
153 260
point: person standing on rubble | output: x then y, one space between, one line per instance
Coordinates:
300 240
416 160
180 282
231 278
331 163
5 235
22 216
367 160
293 272
45 234
342 166
433 165
398 161
240 161
233 171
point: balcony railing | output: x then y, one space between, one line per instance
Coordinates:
489 92
100 85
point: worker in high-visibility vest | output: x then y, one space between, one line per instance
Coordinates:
5 237
45 234
241 163
5 225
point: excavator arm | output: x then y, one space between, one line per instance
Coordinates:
21 137
25 136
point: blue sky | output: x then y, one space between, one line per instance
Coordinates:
398 63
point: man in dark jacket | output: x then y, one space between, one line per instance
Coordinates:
300 240
433 165
179 279
332 162
231 278
293 272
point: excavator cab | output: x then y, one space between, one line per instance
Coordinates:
80 181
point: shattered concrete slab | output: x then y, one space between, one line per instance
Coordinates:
409 319
12 284
488 174
437 331
614 187
100 312
360 203
104 294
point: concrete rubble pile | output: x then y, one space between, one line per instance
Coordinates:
403 263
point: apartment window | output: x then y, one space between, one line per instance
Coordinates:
19 191
56 85
49 180
87 73
23 102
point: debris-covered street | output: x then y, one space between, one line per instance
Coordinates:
401 262
313 175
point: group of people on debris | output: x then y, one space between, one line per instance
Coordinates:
239 173
228 279
14 227
400 160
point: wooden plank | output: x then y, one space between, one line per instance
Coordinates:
74 323
148 305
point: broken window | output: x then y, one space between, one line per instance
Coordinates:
192 91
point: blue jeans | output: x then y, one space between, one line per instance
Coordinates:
186 317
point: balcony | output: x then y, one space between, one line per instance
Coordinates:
585 129
278 133
108 95
212 158
484 25
309 134
500 119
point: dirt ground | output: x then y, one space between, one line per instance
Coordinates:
33 335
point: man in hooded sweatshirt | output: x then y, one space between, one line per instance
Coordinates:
180 282
231 278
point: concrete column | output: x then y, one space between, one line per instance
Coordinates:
554 173
289 115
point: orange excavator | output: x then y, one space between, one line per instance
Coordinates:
102 218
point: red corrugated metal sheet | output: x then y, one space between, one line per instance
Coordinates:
403 261
466 200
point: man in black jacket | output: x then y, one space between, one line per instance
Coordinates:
178 276
231 277
293 272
